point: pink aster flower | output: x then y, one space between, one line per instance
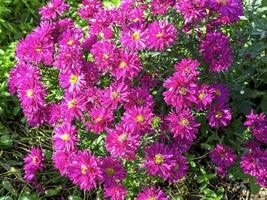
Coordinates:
72 80
188 67
159 160
254 163
138 118
61 161
161 6
205 96
73 106
38 46
52 9
133 37
216 51
62 25
160 35
122 142
101 21
68 58
84 170
33 163
112 171
181 145
35 118
89 42
221 93
257 123
139 97
182 124
230 10
31 94
115 192
89 8
101 118
179 170
105 54
128 65
223 157
52 113
65 138
148 81
192 10
181 91
71 37
219 115
116 93
136 15
152 193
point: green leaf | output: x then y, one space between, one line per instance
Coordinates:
74 197
9 187
254 188
6 198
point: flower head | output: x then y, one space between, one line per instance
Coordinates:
65 138
52 9
219 115
160 35
84 170
112 171
223 157
216 51
33 163
152 193
122 142
159 160
182 124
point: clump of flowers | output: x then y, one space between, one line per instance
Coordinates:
116 109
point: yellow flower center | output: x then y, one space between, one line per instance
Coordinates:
183 91
136 19
105 55
136 36
140 101
218 93
72 103
123 64
218 115
158 159
123 137
70 42
34 159
38 50
115 94
110 171
29 93
65 137
184 122
98 119
140 118
223 2
151 198
201 95
159 35
84 169
73 79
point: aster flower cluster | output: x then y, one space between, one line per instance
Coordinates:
106 89
254 160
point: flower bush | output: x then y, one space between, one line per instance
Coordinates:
129 90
